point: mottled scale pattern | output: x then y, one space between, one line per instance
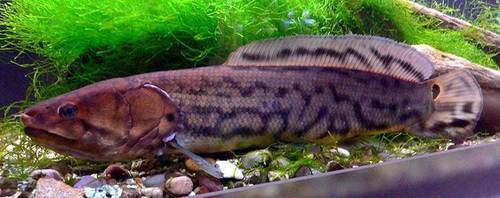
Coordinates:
225 108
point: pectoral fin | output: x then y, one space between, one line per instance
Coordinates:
204 164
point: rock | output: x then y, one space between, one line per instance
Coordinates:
61 167
333 166
407 152
152 192
201 190
256 177
193 167
210 183
155 180
341 151
303 171
6 183
179 186
117 172
130 193
27 186
280 162
105 191
255 158
229 170
49 187
88 181
51 173
7 192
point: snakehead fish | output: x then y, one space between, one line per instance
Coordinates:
320 89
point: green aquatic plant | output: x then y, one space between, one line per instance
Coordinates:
18 156
79 42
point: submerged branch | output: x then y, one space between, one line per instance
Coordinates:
486 37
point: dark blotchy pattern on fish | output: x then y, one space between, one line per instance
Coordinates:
290 103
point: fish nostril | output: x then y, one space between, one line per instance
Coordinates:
25 118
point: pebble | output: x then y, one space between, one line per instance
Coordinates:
130 193
201 190
256 158
408 151
6 183
280 162
152 192
229 170
210 183
333 166
193 167
179 186
155 180
51 173
117 172
303 171
105 191
7 192
88 181
341 151
49 187
26 186
256 177
62 167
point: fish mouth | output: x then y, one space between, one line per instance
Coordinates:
55 142
34 132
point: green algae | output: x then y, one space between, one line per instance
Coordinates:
79 42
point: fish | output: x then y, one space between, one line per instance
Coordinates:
298 89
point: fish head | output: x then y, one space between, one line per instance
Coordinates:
107 121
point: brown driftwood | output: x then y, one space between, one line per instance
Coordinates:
487 37
488 79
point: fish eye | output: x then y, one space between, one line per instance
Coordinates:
67 110
170 117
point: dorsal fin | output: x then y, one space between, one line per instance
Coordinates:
357 52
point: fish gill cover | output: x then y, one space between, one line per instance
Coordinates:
78 42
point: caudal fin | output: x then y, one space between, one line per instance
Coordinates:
457 107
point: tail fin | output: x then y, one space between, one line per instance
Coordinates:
457 107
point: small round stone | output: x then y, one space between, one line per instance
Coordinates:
230 170
51 173
154 181
153 192
256 158
210 183
117 172
179 186
303 171
280 162
333 166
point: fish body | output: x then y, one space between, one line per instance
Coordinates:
225 108
298 89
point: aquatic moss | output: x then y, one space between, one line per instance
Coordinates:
79 42
83 41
